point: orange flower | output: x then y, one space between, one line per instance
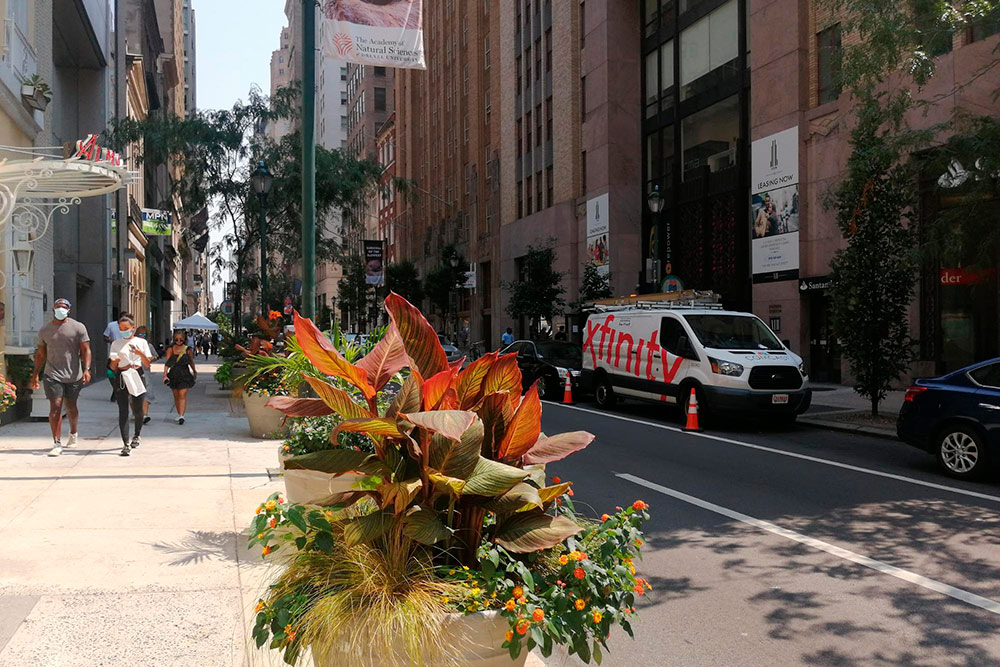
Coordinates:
288 629
522 600
511 605
538 615
522 626
563 559
518 592
598 617
569 492
273 522
583 556
260 508
270 505
579 573
556 480
287 448
260 536
639 506
639 590
280 500
560 583
579 604
638 543
509 635
267 550
605 517
575 555
260 605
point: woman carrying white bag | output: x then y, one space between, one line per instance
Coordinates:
128 355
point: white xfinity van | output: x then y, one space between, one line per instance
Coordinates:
732 360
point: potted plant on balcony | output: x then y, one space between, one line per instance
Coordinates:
456 548
36 93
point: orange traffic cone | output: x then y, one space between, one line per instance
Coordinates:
692 413
568 391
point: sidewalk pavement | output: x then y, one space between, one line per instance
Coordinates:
840 408
133 561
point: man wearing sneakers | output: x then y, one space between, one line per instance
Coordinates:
129 354
64 353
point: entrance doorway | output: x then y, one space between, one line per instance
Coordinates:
824 352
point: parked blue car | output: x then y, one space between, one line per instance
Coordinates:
956 417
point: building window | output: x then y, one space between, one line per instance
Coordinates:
538 191
487 107
486 52
343 74
548 50
548 119
549 185
707 45
527 125
520 199
520 145
527 188
517 68
281 71
709 139
343 99
583 172
583 24
828 63
379 71
583 98
380 99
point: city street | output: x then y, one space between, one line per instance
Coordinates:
796 546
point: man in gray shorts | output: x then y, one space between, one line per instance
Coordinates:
64 353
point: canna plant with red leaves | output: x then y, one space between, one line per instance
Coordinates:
452 445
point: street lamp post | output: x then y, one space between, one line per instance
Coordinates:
262 181
655 202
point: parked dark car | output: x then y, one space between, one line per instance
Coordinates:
548 362
956 417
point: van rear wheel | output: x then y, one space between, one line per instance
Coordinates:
604 393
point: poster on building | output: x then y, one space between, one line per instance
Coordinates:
373 262
774 207
374 32
155 222
597 234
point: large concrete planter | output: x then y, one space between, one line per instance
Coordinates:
305 487
472 641
265 422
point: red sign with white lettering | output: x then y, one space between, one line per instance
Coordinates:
963 276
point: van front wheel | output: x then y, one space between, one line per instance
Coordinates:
604 393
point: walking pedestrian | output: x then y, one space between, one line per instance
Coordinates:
143 333
111 334
508 337
129 354
64 352
190 339
204 345
180 373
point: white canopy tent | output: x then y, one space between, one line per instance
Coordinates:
196 321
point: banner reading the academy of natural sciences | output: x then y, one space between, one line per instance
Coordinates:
374 32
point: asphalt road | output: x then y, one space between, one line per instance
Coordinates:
792 546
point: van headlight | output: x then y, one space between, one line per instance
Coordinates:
726 367
802 368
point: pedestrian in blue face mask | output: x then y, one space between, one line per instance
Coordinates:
64 354
129 356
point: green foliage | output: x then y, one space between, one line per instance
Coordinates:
593 285
19 367
224 374
538 291
355 296
312 434
403 279
445 279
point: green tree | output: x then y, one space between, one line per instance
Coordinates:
594 285
445 280
403 279
538 291
355 295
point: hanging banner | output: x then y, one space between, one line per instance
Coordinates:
374 32
155 222
597 234
373 262
774 207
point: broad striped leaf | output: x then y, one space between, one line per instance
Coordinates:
338 400
449 486
419 339
424 526
332 461
368 528
300 407
550 493
523 430
470 381
400 494
457 458
526 532
407 399
434 388
517 498
492 478
386 359
503 377
325 357
558 447
449 423
372 426
496 412
345 499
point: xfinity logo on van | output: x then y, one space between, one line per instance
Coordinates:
609 334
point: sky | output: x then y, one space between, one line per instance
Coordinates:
234 44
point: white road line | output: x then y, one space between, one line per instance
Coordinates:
877 565
794 455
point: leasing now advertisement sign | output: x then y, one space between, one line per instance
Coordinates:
374 32
774 206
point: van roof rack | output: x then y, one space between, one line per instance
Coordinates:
685 300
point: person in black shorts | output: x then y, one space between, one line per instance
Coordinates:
179 373
64 353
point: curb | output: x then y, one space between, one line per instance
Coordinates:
847 428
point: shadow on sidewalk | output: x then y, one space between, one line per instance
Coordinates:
200 546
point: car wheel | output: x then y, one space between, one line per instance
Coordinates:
960 452
545 391
604 393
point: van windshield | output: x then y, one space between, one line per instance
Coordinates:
733 332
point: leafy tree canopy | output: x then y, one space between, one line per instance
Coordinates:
539 291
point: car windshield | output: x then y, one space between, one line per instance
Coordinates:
561 354
733 332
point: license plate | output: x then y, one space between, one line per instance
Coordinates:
779 399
